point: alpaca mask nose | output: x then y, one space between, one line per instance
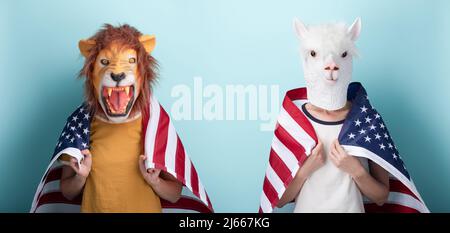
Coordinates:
332 66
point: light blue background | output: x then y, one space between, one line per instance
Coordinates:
404 66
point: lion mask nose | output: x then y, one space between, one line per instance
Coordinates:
118 77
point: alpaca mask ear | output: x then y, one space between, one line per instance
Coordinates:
85 46
300 29
355 29
149 42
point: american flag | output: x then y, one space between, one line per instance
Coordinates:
363 134
162 146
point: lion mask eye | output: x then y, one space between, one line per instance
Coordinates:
132 60
104 62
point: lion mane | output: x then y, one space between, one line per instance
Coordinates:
147 66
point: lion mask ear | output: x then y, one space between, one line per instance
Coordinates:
149 42
85 46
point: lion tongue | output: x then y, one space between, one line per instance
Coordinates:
118 100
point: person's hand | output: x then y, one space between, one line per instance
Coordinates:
151 176
85 165
345 162
314 161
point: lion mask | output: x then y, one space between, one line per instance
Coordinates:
119 71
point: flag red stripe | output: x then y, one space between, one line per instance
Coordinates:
397 186
280 167
292 144
180 161
270 192
161 138
57 197
194 181
53 174
388 208
209 201
296 113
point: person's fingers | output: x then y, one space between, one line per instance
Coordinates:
334 159
317 149
334 152
86 154
157 172
339 148
319 146
142 164
74 164
334 148
333 144
87 157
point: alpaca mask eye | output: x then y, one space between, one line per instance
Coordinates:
104 62
313 53
132 60
344 54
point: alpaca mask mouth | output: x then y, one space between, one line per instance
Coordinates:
331 79
118 101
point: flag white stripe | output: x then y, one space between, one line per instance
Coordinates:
171 147
58 208
406 200
266 207
285 155
202 192
187 172
299 103
51 187
176 210
152 127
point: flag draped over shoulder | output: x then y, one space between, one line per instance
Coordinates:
363 134
163 148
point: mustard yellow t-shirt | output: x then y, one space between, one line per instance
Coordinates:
115 183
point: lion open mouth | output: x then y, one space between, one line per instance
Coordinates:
118 100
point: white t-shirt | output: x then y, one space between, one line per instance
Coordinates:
328 189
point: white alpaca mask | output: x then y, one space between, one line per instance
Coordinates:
327 53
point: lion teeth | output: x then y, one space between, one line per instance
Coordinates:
109 91
127 90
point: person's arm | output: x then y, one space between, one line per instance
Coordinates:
164 184
374 185
312 163
73 177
